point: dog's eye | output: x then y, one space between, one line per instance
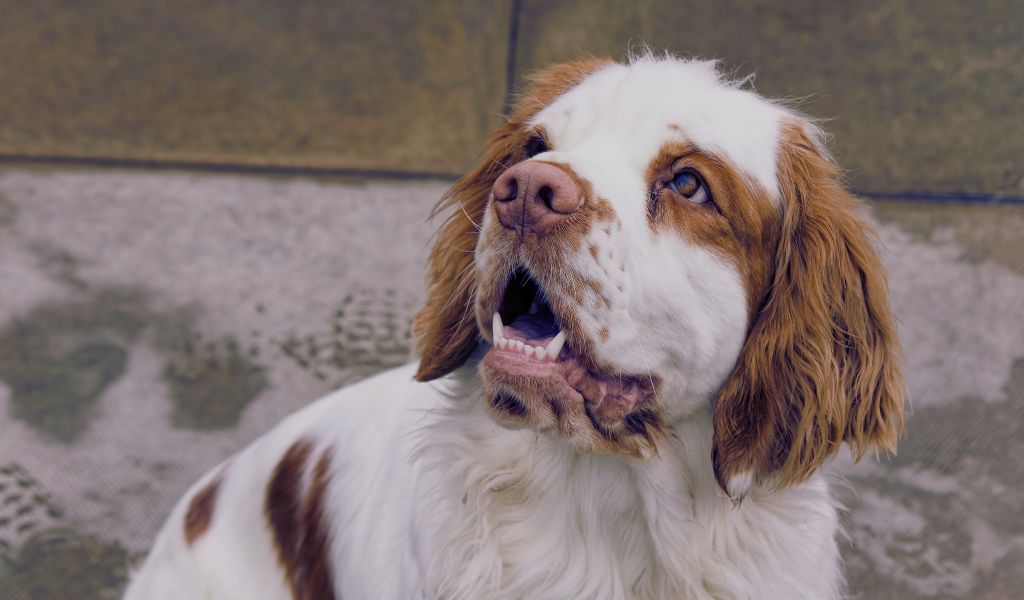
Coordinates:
689 185
534 146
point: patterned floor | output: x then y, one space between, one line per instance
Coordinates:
153 323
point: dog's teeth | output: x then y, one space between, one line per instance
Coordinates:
498 329
528 350
540 353
502 343
519 345
555 345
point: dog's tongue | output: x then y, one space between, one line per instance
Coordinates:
535 329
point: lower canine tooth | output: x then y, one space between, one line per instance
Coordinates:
502 343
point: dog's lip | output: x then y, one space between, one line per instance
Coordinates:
608 397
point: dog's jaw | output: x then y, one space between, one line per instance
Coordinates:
537 374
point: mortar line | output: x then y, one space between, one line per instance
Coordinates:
510 59
110 162
939 197
411 175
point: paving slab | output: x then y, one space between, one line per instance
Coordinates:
925 96
153 323
399 85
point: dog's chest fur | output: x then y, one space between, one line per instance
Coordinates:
536 520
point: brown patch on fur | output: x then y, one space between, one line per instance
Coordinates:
604 213
821 363
740 223
315 580
297 522
593 285
200 511
594 250
603 333
444 329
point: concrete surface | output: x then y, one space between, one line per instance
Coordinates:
922 96
153 323
397 85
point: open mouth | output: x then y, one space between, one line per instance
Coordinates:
533 331
537 368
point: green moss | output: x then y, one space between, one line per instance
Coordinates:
211 383
8 212
987 233
59 264
59 358
366 334
971 442
63 563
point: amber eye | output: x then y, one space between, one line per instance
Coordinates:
688 184
534 146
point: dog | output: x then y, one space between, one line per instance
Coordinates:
653 313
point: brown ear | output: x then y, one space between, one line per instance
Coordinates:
444 329
821 363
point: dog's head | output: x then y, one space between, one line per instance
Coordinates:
642 241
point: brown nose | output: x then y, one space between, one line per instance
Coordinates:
534 196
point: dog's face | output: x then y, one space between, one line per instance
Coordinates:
643 241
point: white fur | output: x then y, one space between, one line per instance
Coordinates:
629 108
429 498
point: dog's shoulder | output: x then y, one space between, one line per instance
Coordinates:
276 510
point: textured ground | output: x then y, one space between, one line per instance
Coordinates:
152 323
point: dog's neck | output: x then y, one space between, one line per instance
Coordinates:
523 508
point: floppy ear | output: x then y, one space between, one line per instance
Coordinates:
444 329
821 364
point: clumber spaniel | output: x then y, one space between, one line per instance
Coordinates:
652 316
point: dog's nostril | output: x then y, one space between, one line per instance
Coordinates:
512 190
546 195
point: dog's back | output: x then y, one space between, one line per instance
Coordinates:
326 487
